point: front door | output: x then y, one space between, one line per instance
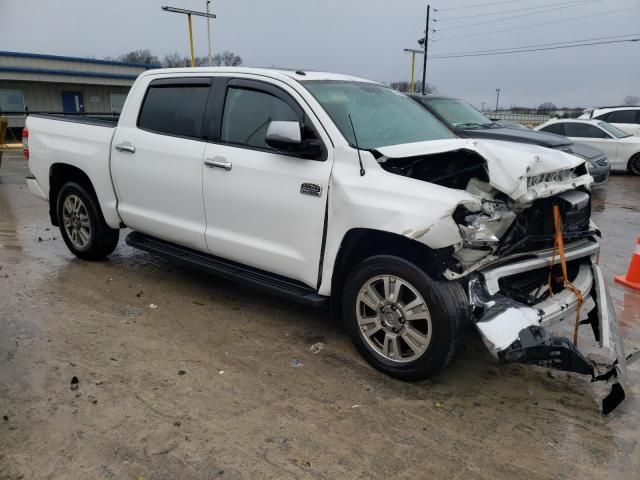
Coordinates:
72 102
157 161
258 211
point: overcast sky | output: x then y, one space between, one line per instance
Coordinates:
363 37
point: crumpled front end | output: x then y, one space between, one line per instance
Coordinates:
522 200
517 302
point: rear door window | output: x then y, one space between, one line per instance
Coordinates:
583 130
557 128
175 107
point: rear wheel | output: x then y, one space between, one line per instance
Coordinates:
82 225
402 321
634 164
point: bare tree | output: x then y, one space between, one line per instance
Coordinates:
140 56
227 59
631 101
175 60
547 107
405 86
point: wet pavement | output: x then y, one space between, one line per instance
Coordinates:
183 375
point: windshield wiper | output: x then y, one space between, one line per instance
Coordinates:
469 125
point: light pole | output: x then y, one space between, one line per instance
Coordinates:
497 98
189 13
208 32
482 108
413 52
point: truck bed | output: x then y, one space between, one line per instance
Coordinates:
83 142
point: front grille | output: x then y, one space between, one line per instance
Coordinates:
534 229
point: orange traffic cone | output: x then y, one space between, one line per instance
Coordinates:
632 279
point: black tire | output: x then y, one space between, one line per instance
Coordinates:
447 306
102 239
634 164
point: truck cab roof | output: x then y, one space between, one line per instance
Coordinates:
295 74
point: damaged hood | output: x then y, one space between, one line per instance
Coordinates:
508 163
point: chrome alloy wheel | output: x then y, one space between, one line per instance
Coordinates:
75 220
393 318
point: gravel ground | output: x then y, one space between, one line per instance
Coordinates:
183 375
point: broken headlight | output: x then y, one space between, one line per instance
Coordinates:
553 177
485 227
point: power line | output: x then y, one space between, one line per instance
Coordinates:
539 24
547 10
555 4
476 5
551 44
462 55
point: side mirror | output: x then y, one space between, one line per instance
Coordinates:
286 136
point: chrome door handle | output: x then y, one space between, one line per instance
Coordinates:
125 147
213 163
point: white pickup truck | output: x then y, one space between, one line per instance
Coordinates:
320 187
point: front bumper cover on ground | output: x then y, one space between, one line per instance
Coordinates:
515 332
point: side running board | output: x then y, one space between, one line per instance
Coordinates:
269 282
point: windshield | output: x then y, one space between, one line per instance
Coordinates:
458 113
381 116
616 132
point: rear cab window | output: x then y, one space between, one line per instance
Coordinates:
175 106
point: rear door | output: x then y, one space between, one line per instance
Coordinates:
264 208
157 157
594 137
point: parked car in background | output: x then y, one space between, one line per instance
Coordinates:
625 118
622 148
467 122
328 188
512 124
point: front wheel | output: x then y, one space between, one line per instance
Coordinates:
82 225
404 323
634 164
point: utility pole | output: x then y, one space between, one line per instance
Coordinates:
209 33
189 13
497 98
424 60
422 52
482 108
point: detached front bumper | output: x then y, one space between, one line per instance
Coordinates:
516 332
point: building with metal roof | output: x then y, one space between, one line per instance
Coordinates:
31 82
